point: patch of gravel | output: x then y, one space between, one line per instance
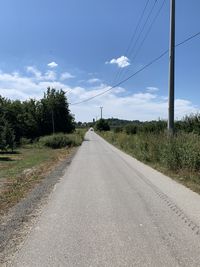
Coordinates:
15 225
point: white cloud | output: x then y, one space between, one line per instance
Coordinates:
15 86
37 75
66 75
118 102
52 64
94 80
122 61
152 89
50 75
33 70
137 106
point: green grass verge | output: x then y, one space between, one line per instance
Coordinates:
178 157
20 171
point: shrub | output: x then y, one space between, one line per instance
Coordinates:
131 129
25 141
61 140
7 137
102 125
180 152
118 129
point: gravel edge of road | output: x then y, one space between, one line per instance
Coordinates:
15 225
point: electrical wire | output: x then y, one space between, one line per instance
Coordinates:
149 30
146 35
137 27
140 70
132 37
146 21
119 73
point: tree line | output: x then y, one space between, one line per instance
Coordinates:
34 118
189 124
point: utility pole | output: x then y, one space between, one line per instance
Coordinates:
101 111
171 68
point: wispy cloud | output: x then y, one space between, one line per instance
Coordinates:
66 76
94 80
52 64
50 75
33 70
152 89
121 62
37 75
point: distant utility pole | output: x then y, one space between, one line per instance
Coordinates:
171 67
101 108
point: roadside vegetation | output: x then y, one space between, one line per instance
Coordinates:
22 169
29 120
35 135
177 156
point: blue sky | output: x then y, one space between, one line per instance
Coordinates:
82 38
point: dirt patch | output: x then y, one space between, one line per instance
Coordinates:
17 222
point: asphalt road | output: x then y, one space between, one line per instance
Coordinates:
111 210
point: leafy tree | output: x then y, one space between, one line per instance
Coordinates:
54 113
31 119
7 137
102 125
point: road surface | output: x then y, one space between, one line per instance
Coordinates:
111 210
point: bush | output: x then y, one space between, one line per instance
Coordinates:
102 125
180 152
131 129
25 141
61 140
118 129
7 137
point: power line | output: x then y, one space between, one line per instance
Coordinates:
140 70
123 81
137 27
146 21
146 35
149 29
140 33
188 39
133 37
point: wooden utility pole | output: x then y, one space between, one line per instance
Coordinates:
171 68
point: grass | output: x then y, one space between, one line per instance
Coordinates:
178 157
25 158
22 170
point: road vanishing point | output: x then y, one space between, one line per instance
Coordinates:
112 210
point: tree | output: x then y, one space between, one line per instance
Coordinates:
32 118
7 137
102 125
54 112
